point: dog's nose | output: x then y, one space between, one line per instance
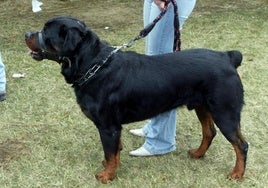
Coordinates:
28 35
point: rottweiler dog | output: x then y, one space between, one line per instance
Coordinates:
115 87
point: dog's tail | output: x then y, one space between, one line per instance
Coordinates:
235 58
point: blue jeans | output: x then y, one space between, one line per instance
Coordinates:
160 131
2 76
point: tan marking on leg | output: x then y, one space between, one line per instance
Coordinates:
241 156
110 166
208 131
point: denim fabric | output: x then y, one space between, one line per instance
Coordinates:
2 76
160 131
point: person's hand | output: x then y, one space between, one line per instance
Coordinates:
161 4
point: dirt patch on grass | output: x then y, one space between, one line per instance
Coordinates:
11 150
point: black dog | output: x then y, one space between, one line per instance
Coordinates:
114 87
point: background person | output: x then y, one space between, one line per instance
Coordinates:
2 80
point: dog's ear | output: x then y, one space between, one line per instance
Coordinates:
72 39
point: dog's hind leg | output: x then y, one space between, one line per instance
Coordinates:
112 144
230 128
208 131
241 148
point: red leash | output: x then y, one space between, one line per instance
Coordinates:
177 34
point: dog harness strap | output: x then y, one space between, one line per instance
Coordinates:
41 40
45 54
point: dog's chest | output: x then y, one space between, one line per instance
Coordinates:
87 113
86 104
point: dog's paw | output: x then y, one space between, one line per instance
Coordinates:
105 176
236 175
196 153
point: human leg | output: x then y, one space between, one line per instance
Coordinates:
185 8
161 130
2 80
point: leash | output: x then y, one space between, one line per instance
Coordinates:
143 33
92 71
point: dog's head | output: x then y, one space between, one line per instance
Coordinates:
60 37
63 39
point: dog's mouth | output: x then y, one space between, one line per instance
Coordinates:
38 49
32 40
37 55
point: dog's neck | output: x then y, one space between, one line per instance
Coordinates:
100 61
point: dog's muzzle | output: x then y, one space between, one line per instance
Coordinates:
41 41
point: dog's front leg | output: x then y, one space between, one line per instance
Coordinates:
111 142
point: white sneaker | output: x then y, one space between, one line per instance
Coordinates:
140 152
137 132
36 6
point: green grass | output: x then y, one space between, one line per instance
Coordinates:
45 140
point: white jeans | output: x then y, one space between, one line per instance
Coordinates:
2 76
160 131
